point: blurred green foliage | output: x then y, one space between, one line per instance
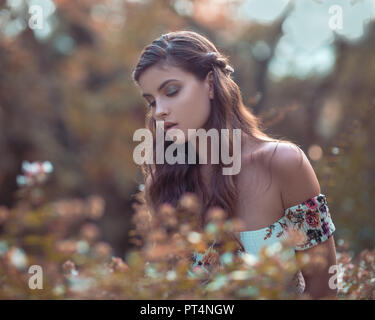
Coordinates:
74 263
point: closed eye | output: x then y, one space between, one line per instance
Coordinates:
152 104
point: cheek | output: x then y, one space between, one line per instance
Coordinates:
201 114
195 112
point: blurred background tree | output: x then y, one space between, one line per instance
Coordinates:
66 93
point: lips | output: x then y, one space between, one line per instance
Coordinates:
168 125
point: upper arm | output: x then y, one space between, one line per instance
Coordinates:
298 182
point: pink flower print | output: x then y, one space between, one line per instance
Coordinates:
311 203
312 218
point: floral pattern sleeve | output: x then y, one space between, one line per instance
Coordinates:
313 219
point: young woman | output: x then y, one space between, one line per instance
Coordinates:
187 83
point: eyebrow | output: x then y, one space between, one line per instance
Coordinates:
161 86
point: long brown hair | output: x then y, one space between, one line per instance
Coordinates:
194 53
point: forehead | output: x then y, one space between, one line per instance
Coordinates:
153 76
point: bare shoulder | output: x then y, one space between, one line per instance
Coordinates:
287 159
262 152
286 155
253 152
294 173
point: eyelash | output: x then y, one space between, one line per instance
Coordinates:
152 104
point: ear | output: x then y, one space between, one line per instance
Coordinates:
209 82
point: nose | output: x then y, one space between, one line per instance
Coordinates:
161 111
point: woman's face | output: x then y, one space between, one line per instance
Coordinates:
175 95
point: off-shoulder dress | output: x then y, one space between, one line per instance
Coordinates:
311 217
